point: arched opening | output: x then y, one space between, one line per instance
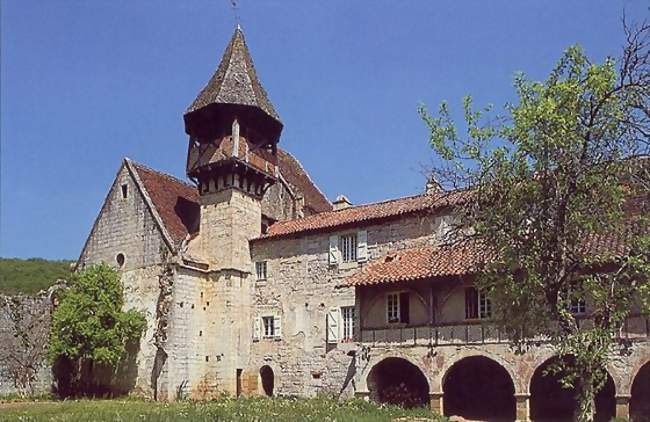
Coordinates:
550 402
268 379
640 401
120 260
398 381
477 387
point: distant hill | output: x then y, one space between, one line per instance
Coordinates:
28 276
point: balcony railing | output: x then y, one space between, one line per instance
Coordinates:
635 328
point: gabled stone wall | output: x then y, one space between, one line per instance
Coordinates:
124 226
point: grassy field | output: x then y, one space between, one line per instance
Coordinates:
28 276
253 409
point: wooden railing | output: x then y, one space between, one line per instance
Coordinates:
635 328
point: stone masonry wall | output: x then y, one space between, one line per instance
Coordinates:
229 219
301 288
126 226
209 333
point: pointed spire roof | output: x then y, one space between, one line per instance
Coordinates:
235 81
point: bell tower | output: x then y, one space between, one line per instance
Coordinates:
232 156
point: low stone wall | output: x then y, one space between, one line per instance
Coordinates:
24 332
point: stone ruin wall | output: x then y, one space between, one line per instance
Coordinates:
24 332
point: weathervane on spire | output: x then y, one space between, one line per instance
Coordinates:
235 11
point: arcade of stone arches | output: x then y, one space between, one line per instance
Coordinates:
480 388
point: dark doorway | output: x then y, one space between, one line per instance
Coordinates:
640 401
479 388
398 381
239 371
550 402
266 373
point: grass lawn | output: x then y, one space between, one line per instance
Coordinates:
252 409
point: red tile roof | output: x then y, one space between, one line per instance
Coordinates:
468 257
297 177
365 213
422 263
175 201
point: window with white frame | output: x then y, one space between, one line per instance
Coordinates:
484 306
268 325
477 304
348 246
347 314
260 270
576 304
392 307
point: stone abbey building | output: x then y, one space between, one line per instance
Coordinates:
252 282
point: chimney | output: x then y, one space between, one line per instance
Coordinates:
341 203
433 186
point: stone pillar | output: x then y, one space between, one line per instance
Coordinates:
435 402
523 407
623 406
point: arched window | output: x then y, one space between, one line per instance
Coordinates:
120 260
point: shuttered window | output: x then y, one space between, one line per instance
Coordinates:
477 304
392 307
269 326
333 325
404 308
348 247
347 312
398 307
260 270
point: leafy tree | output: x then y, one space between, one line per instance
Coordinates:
29 276
557 186
89 327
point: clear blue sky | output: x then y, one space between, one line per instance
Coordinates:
85 83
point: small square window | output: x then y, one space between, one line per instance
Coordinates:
348 246
125 190
269 326
577 304
260 270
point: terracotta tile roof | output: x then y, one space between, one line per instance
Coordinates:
467 258
422 263
175 201
297 177
365 213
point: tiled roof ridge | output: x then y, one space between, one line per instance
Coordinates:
306 174
160 173
357 213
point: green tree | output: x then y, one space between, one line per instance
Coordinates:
89 327
557 186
